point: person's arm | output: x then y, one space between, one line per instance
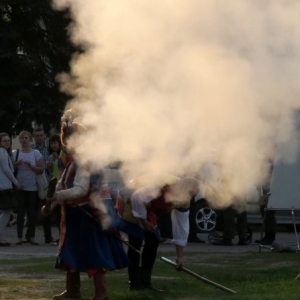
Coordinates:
38 168
6 169
79 190
139 200
180 227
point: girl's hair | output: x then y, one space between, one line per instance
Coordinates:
2 135
54 138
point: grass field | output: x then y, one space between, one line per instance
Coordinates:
253 275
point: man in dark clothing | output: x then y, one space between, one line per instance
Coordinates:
229 215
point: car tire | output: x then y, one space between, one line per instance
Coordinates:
203 219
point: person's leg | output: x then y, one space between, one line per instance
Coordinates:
22 206
72 290
228 226
271 226
100 286
46 221
134 258
32 212
148 258
242 227
4 218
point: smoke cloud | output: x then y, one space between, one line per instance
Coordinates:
179 86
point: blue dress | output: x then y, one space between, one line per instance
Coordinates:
86 246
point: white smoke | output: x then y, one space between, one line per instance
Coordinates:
167 86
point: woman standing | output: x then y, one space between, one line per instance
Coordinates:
7 178
28 163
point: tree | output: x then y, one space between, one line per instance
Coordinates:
34 48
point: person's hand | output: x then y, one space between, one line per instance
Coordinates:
55 155
18 162
53 199
53 205
49 164
148 226
44 211
18 186
27 163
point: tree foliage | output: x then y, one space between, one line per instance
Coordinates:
34 48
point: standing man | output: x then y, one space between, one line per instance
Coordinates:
269 217
229 214
40 145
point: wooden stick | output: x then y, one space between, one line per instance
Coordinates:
199 277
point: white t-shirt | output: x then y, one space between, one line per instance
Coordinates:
26 177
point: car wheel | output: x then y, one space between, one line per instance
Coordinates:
202 217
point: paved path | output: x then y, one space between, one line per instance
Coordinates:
46 250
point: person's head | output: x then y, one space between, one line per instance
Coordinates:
25 139
5 142
70 127
39 136
54 144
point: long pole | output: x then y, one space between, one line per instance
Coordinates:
199 277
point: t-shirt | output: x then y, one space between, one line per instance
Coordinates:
27 177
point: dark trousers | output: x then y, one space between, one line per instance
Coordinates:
229 215
269 219
47 222
149 252
28 203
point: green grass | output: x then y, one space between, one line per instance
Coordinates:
254 276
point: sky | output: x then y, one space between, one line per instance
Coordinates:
186 87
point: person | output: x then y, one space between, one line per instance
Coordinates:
53 167
28 163
229 214
269 216
7 179
54 149
83 244
162 193
40 145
